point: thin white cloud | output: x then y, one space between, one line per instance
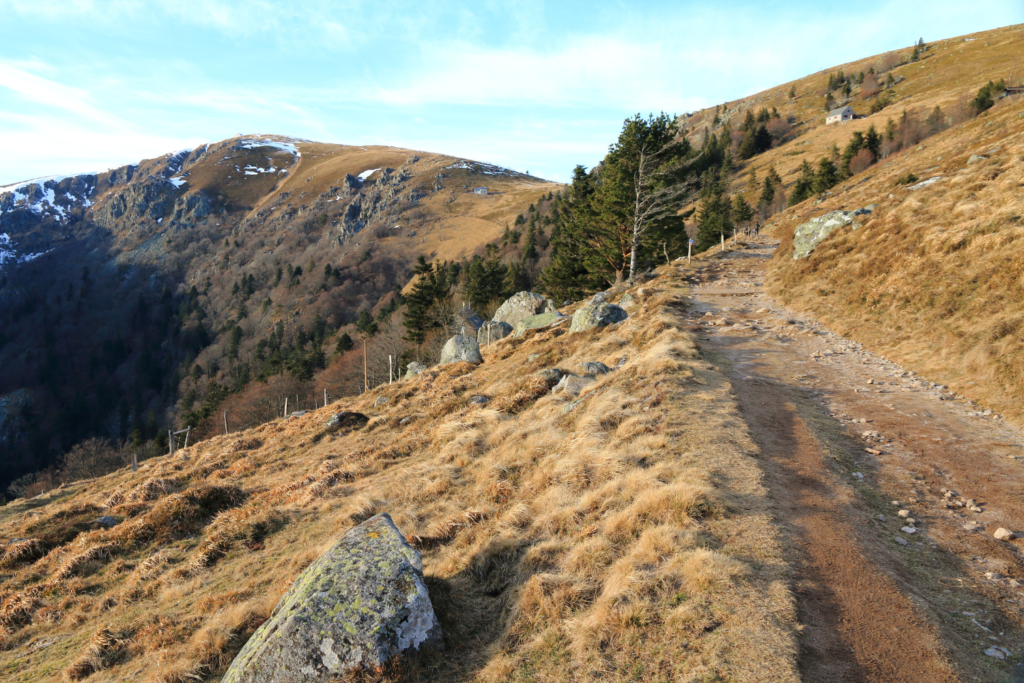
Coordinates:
49 92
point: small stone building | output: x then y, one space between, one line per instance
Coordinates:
840 115
480 190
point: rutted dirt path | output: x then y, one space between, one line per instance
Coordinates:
849 441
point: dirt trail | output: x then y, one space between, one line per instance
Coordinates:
880 598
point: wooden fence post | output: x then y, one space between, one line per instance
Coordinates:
325 397
225 422
170 438
286 406
135 463
389 368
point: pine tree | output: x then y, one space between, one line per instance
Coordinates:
873 142
792 92
767 192
727 166
855 145
714 217
741 211
752 184
804 185
826 177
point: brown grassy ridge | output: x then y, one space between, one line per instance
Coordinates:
626 538
933 279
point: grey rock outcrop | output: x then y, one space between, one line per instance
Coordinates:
810 234
491 331
596 313
414 369
360 604
594 368
540 320
346 420
151 198
381 400
550 375
572 385
191 207
627 300
521 306
460 348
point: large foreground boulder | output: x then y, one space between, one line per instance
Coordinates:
521 306
810 234
491 331
360 604
596 313
540 320
460 348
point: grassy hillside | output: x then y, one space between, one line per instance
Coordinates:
623 536
933 279
164 287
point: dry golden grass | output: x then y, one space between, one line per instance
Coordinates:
620 537
933 280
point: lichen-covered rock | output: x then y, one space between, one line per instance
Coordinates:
381 400
357 606
810 234
491 331
627 301
460 348
521 306
539 320
597 313
572 385
413 369
550 375
346 420
594 368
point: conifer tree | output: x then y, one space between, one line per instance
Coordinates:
804 185
826 177
873 142
741 211
714 217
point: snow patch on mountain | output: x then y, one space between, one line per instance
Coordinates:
486 169
366 174
285 145
9 254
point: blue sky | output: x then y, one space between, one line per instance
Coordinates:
87 85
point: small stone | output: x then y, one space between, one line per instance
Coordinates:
478 400
858 475
908 530
881 518
974 508
996 653
572 385
902 541
381 400
106 521
993 576
1002 534
972 526
910 521
532 357
904 513
870 381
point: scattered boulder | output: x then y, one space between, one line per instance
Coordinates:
414 369
810 234
522 306
627 300
996 652
1002 534
479 400
537 321
551 375
572 385
596 314
381 400
106 521
594 368
357 606
460 349
492 331
975 158
346 420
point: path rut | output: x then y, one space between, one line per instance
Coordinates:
841 458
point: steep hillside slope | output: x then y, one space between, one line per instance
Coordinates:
933 279
623 534
134 296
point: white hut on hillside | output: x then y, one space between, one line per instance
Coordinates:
840 115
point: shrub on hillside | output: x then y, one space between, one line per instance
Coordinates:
861 160
889 61
870 86
91 458
779 128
